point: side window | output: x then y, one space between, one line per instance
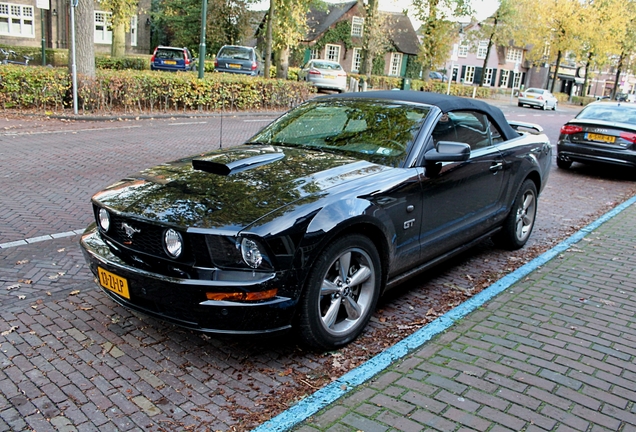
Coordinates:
495 133
469 127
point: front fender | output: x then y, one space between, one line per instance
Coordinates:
347 216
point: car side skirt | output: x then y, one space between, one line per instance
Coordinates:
401 278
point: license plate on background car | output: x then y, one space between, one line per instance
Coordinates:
234 66
112 282
329 76
170 62
598 137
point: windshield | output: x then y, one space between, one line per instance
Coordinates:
378 131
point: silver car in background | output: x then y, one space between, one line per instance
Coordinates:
536 97
324 74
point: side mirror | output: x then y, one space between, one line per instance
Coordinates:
448 151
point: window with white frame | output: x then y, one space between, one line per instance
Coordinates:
505 78
357 59
357 26
16 20
488 77
133 30
332 52
469 75
482 49
396 64
103 34
463 50
315 54
516 82
514 55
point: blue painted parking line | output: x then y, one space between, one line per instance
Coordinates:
348 382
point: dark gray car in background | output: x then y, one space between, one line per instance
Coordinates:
239 59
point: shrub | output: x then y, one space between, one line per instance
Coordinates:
145 91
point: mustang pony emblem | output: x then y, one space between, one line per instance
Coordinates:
130 231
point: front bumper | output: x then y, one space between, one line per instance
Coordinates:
183 301
596 154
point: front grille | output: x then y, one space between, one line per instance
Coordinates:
147 238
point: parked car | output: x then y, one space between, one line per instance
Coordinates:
536 97
173 59
603 132
240 60
306 224
437 76
324 74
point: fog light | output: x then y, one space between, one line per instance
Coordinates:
104 219
173 243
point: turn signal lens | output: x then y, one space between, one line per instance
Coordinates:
570 129
104 219
242 296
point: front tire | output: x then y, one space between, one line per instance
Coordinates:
518 225
341 293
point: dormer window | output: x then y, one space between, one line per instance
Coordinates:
357 26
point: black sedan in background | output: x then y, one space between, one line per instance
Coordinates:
305 225
603 132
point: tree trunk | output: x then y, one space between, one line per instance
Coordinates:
366 63
118 47
269 38
587 69
556 71
84 44
618 75
282 63
492 36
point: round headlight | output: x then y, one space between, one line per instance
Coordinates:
251 253
104 219
173 242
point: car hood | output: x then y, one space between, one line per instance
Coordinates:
233 188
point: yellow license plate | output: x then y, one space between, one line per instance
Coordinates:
170 62
112 282
602 138
329 76
235 66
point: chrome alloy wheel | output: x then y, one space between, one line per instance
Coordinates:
526 213
347 291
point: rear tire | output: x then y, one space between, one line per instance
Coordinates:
341 293
518 225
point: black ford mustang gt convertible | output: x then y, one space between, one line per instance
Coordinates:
306 224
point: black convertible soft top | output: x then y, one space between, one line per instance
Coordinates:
444 102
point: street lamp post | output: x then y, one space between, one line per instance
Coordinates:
204 20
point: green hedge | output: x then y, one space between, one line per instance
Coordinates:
44 88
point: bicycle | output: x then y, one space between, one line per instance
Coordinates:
10 54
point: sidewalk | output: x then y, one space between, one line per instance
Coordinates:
556 350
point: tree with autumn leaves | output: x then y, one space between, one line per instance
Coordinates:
595 33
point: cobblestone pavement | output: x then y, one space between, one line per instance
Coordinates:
73 360
556 352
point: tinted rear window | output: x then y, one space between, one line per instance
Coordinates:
236 53
609 112
169 54
328 66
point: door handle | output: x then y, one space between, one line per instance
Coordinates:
496 166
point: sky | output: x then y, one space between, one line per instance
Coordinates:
483 8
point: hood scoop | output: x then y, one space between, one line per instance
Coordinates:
236 166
